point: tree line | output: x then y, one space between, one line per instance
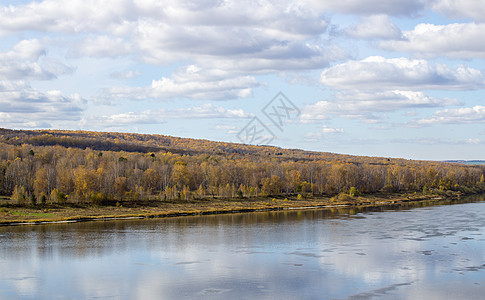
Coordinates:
62 173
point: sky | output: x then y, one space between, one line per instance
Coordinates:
394 78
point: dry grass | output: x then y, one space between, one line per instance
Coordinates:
15 215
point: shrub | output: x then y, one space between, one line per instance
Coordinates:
344 197
57 196
18 194
353 192
97 198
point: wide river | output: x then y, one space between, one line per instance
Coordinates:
432 252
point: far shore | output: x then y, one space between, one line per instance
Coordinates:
45 214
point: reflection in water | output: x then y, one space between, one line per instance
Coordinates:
430 252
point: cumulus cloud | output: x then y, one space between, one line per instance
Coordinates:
452 40
207 111
23 106
324 131
25 49
371 7
381 73
102 46
189 82
260 36
227 128
392 100
22 63
283 17
465 115
250 48
161 115
278 35
56 16
469 9
375 26
369 106
217 28
238 38
125 74
327 129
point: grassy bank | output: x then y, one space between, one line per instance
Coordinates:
13 215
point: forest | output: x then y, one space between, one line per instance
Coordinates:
53 166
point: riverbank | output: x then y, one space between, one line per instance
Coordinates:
14 215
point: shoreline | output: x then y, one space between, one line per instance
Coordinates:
17 216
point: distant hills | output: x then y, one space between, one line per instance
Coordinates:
148 143
468 162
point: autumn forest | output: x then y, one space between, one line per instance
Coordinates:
49 166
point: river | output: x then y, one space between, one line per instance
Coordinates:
430 252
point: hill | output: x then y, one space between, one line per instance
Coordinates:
85 167
468 162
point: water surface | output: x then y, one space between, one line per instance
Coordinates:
434 252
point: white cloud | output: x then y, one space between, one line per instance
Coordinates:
23 63
369 106
121 16
155 28
473 141
238 38
452 40
24 106
207 111
260 36
102 46
472 9
391 100
161 115
465 115
190 82
25 49
125 74
129 118
254 33
248 48
228 128
431 141
371 7
325 131
375 26
381 73
56 16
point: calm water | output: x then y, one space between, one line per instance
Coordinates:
435 252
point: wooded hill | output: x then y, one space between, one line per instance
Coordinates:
81 166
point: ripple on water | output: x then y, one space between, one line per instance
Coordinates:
470 269
306 254
213 291
379 292
20 278
188 262
426 252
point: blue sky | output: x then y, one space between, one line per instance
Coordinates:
401 78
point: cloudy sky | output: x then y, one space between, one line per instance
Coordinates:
398 78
